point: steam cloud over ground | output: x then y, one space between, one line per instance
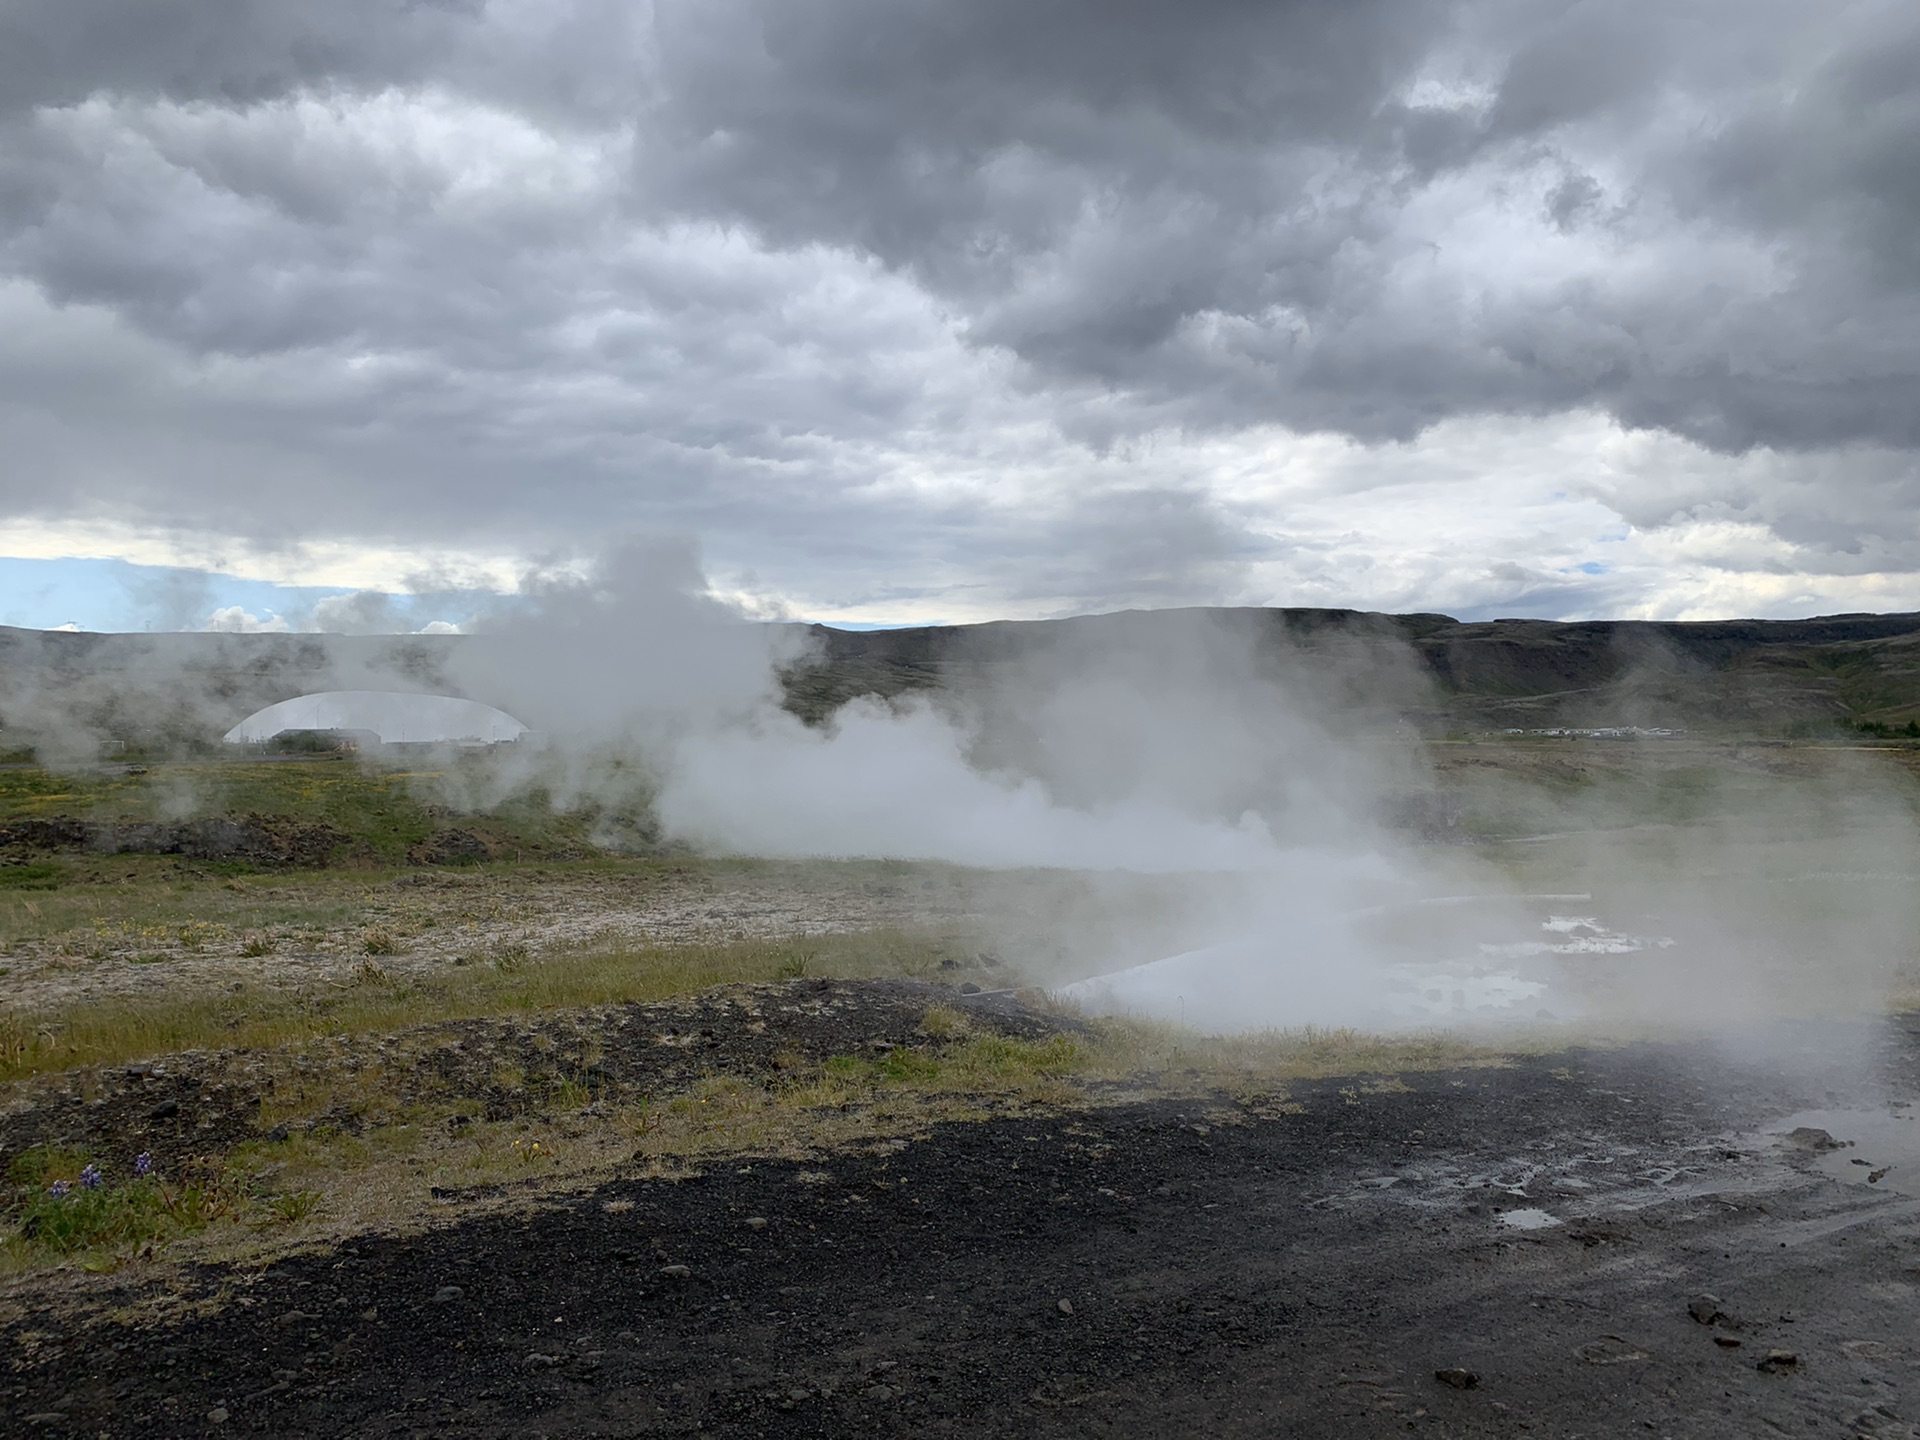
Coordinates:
1262 787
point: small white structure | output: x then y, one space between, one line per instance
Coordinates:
397 717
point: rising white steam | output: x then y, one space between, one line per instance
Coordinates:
898 784
1173 746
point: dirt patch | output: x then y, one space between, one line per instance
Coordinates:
445 916
270 841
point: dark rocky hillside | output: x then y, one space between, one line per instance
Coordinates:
1771 678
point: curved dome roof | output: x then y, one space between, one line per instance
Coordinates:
396 717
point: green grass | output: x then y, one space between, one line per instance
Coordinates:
150 897
49 1210
383 812
113 1032
33 876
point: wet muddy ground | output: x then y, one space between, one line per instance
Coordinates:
1594 1243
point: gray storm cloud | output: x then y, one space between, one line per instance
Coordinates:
801 278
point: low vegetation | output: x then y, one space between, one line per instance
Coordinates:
383 811
507 982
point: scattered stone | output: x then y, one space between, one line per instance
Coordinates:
292 1318
677 1272
756 1222
1457 1377
880 1046
1726 1342
447 1294
1611 1350
165 1110
1858 1161
46 1417
1066 1307
1809 1138
1777 1362
539 1361
1874 1177
217 1415
278 1134
969 988
1705 1308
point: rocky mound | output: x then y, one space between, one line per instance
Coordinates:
274 841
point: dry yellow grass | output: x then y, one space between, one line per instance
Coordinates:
117 1031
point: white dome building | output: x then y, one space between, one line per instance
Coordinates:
396 717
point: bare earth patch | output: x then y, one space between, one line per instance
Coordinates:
313 930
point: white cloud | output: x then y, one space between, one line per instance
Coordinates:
237 620
915 320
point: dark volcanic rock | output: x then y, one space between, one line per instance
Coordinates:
450 847
268 840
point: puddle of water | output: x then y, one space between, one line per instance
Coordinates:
1880 1148
1528 1219
1451 974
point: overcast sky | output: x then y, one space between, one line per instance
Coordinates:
947 309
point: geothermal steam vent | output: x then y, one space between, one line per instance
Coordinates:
398 718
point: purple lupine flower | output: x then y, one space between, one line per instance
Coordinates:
59 1189
142 1163
90 1178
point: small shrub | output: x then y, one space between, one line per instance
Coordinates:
64 1204
569 1092
378 940
257 943
795 965
293 1207
901 1066
943 1022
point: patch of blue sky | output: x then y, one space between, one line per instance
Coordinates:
117 595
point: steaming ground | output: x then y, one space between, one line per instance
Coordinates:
786 1129
564 1188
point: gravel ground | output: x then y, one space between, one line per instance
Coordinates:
1593 1243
